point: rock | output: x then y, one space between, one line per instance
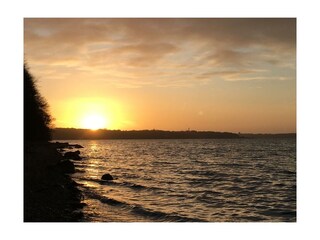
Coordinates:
78 205
49 194
107 177
61 145
77 215
72 155
77 146
66 166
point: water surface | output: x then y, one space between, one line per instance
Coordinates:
214 180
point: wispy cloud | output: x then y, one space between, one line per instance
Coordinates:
164 52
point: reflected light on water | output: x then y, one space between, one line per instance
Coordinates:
94 146
189 180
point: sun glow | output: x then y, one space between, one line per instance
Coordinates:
94 122
92 113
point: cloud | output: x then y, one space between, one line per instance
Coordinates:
143 54
164 52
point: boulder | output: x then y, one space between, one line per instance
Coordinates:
66 166
106 177
72 155
61 145
77 146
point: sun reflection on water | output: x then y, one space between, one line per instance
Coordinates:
93 146
169 180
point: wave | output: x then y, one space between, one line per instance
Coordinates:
288 172
130 185
162 216
206 173
134 185
140 210
279 213
240 165
104 199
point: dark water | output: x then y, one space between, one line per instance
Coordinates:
216 180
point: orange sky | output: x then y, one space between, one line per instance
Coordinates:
235 75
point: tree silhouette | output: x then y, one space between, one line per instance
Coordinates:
37 120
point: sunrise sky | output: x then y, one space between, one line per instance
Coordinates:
236 75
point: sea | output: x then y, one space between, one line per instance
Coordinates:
188 180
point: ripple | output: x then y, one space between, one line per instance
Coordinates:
192 180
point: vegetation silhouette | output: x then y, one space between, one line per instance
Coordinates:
37 120
73 133
45 167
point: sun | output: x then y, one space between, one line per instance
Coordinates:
94 122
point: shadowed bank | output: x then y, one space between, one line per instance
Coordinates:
49 193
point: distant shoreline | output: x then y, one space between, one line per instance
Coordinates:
87 134
268 135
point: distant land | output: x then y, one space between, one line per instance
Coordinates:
75 133
268 135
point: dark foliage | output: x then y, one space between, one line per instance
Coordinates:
37 119
72 133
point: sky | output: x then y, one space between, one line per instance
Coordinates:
235 75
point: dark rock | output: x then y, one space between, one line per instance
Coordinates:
78 205
66 166
61 144
49 194
77 215
72 155
74 183
77 146
107 177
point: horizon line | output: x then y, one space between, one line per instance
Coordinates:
187 130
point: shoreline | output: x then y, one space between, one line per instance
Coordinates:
50 195
104 134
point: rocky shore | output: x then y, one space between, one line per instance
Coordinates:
50 195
